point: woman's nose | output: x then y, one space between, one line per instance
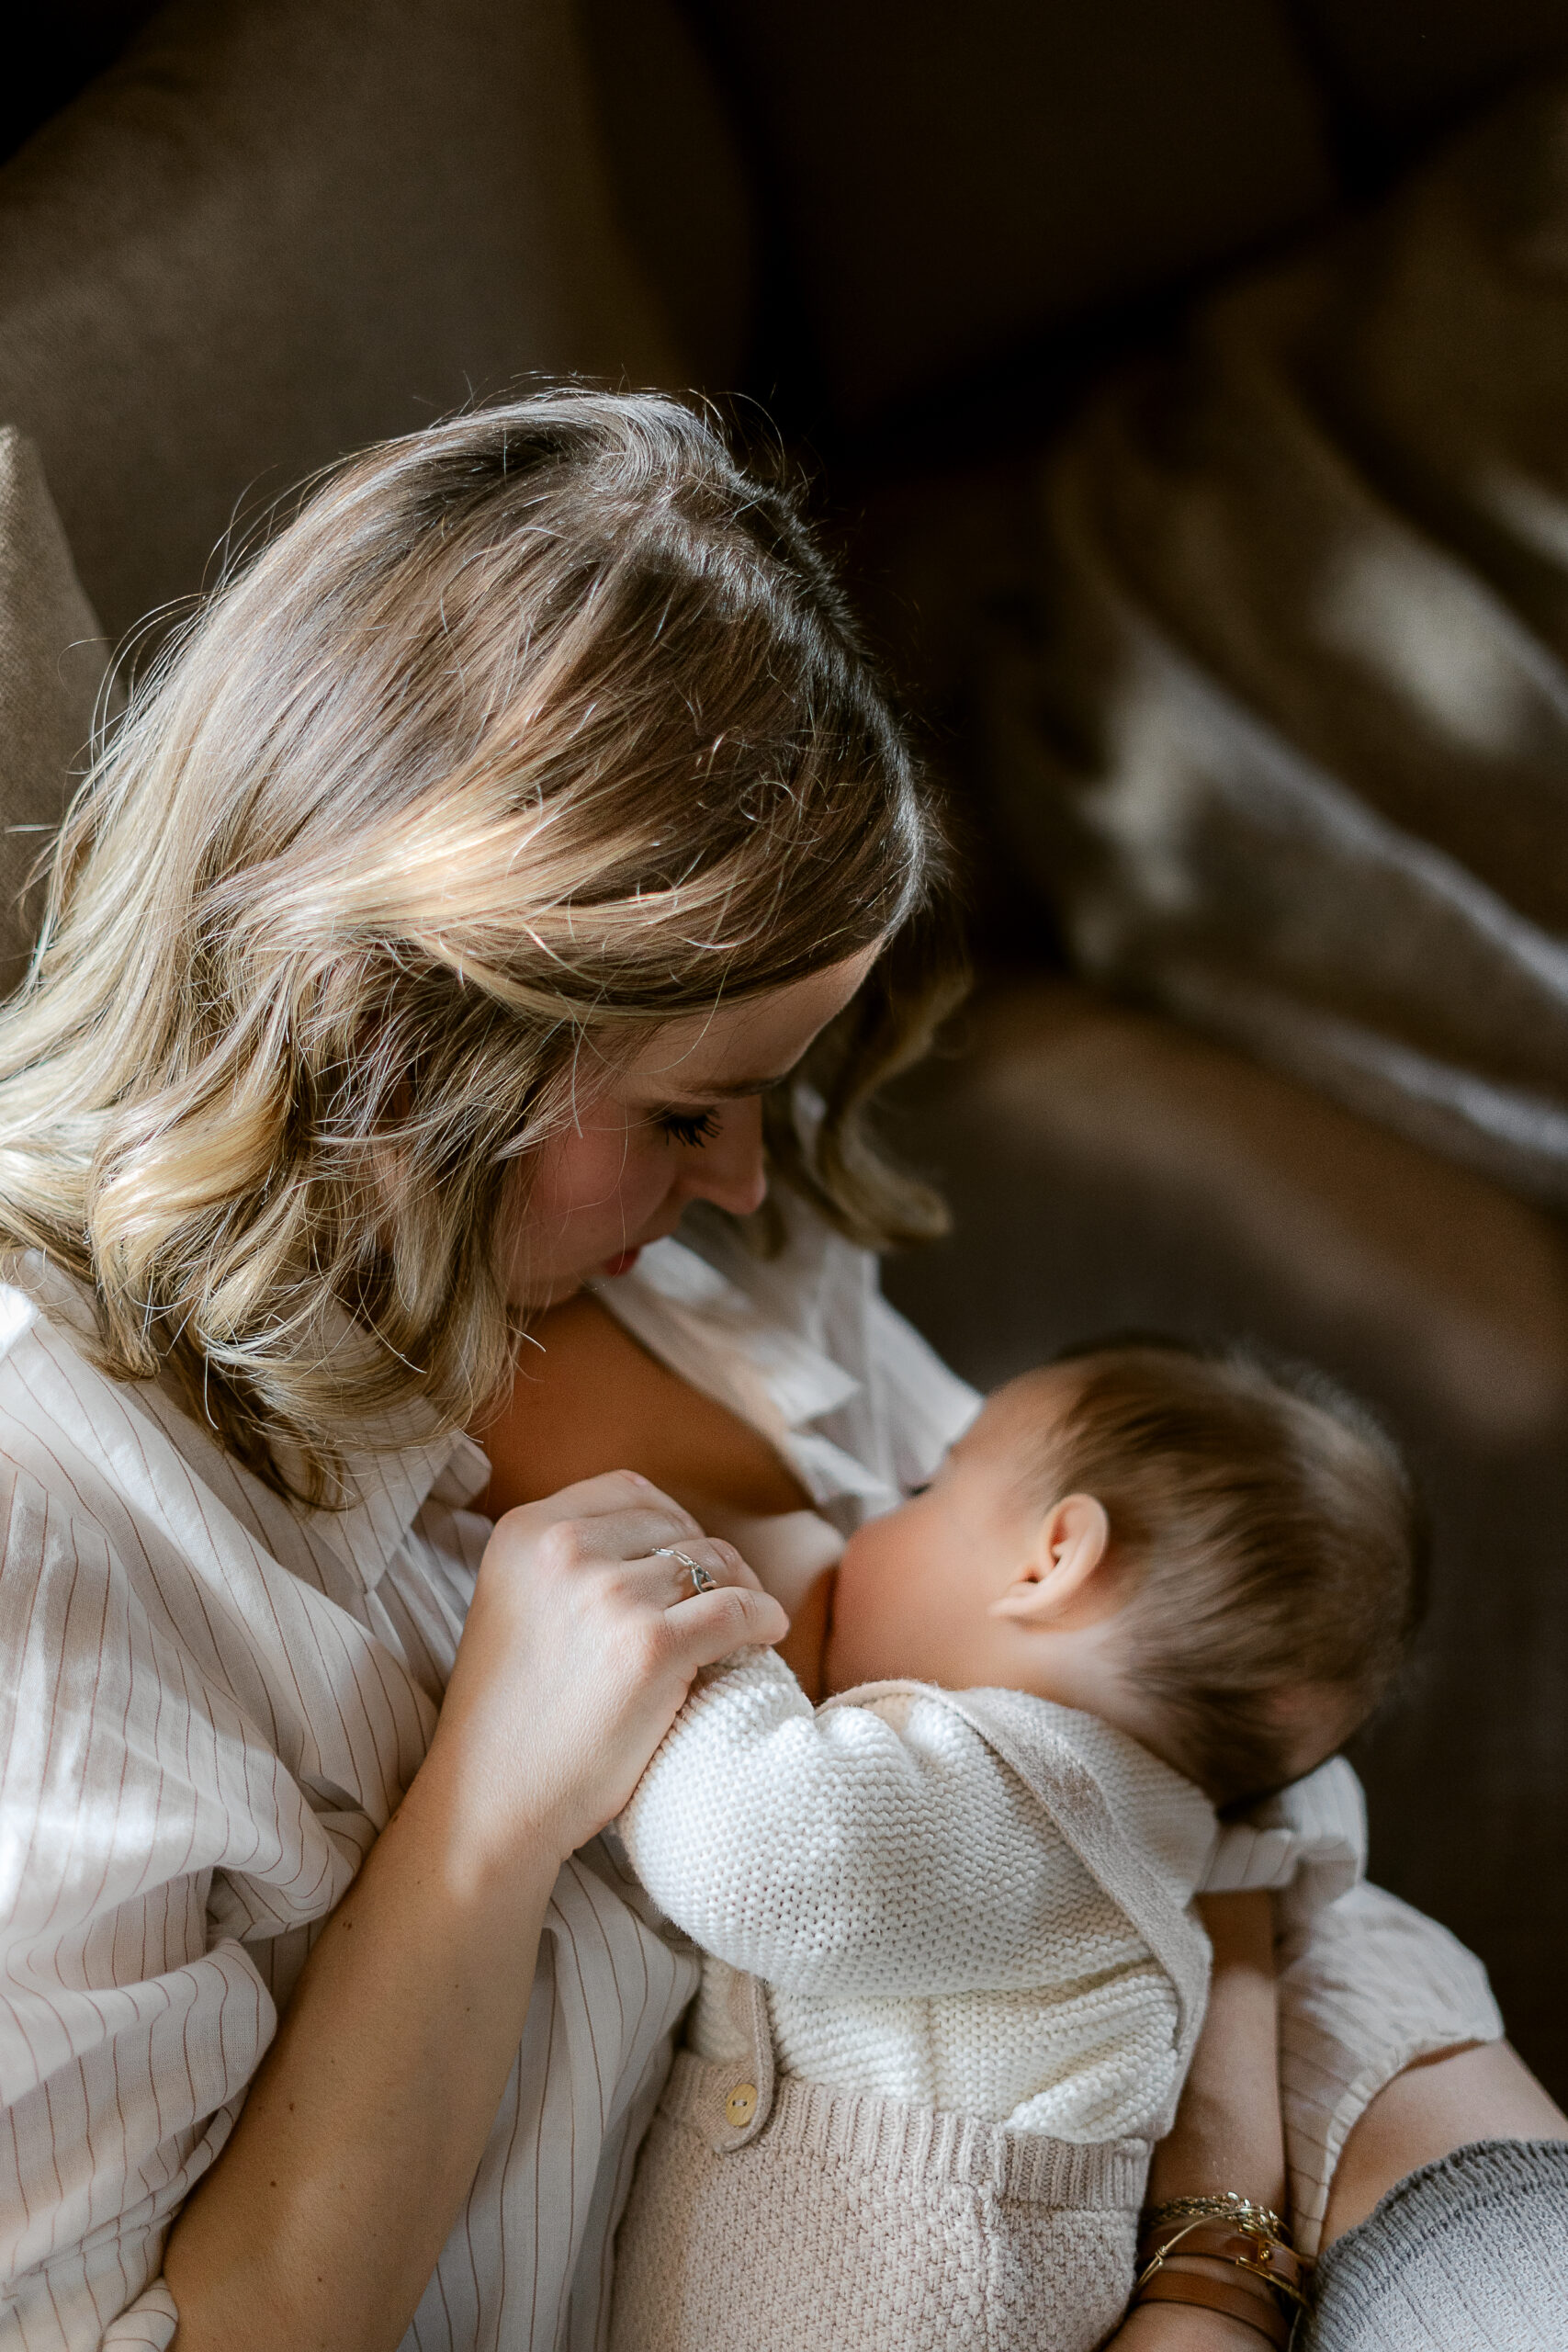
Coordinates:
728 1170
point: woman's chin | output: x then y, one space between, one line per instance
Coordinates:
556 1289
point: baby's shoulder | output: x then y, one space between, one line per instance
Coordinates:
1089 1776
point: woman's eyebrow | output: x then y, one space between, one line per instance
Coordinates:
728 1090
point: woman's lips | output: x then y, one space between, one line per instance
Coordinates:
621 1265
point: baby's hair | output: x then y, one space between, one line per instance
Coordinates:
1274 1544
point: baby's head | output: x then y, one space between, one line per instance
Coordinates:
1223 1561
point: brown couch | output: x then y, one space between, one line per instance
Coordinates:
275 229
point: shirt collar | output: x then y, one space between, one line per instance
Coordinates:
391 1486
406 1457
706 1327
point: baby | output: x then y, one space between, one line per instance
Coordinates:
953 1975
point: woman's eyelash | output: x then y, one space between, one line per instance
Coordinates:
690 1129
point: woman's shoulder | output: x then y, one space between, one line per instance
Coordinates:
35 1294
103 1534
161 1641
50 1410
114 1497
84 1440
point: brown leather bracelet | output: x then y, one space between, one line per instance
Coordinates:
1262 2258
1254 2306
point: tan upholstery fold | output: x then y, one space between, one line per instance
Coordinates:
52 664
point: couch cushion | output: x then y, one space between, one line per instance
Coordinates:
684 195
1406 64
1288 750
52 663
1415 1279
945 181
280 229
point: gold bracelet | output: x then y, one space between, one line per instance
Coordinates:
1259 2221
1231 2229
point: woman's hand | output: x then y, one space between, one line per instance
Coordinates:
323 2217
580 1645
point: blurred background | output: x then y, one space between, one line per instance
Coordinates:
1185 387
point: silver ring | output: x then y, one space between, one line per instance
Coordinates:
701 1580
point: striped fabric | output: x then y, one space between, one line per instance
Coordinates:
210 1703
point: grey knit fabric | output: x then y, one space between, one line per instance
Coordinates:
1467 2255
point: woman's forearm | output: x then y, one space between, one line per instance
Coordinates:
1228 2133
322 2219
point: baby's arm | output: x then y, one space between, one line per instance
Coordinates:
850 1852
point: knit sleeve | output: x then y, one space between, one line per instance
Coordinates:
878 1848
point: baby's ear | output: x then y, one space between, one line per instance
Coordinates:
1056 1582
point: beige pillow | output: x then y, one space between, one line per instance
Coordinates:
52 662
279 229
1290 753
949 182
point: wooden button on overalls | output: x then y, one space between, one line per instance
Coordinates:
742 2105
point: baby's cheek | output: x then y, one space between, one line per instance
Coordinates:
873 1557
885 1593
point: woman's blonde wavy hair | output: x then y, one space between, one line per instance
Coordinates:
543 725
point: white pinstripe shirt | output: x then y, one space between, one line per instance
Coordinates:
209 1705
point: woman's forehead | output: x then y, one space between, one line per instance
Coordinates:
740 1048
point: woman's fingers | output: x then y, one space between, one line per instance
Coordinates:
613 1521
729 1612
717 1562
612 1493
731 1617
582 1539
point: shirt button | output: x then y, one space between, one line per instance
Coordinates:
742 2105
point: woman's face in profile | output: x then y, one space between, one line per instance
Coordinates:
682 1123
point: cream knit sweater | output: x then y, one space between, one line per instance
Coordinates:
953 1983
925 1928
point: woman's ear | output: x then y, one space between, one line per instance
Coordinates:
1056 1583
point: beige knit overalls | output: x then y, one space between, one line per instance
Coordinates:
775 2214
